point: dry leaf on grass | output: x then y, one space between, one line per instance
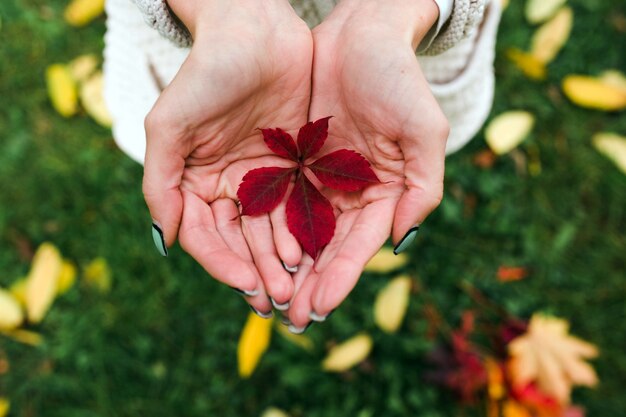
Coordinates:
41 287
391 304
5 405
385 261
594 93
62 90
97 274
67 277
11 315
92 99
538 11
547 354
274 412
344 356
612 146
508 130
530 65
253 342
614 78
82 67
81 12
551 36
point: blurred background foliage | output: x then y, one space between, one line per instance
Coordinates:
163 340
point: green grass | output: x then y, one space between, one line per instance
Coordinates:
163 341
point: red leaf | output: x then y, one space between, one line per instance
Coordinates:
344 170
310 216
511 273
311 137
262 189
281 143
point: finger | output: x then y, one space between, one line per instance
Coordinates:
423 171
228 225
287 246
345 221
200 238
278 282
339 277
301 305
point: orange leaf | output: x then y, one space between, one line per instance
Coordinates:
511 273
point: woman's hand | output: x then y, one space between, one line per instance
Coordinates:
249 67
366 75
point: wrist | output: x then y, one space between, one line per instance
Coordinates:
408 19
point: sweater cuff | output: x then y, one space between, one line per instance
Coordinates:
466 16
445 10
158 15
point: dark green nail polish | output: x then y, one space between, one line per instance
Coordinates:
159 241
262 315
246 293
406 240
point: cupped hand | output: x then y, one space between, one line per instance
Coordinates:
366 75
249 67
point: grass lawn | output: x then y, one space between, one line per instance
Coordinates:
163 341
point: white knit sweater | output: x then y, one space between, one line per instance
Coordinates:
458 64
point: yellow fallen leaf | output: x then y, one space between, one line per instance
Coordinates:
508 130
274 412
385 261
97 274
18 290
301 340
253 342
504 4
62 90
24 336
5 406
391 304
11 315
42 281
512 408
548 355
612 146
551 36
344 356
538 11
82 67
81 12
67 277
593 93
532 67
614 78
93 100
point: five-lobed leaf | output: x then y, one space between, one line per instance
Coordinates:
310 216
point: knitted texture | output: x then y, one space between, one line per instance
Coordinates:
466 15
138 62
157 15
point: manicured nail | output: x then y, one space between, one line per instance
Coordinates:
290 269
285 320
316 317
299 330
268 315
280 307
157 236
406 241
246 293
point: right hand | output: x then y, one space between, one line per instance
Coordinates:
249 67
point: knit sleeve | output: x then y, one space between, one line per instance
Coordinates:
465 18
158 15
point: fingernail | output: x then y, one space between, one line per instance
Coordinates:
262 315
406 240
290 269
246 293
299 330
157 236
280 307
284 320
316 317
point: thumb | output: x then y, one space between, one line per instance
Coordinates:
423 171
163 170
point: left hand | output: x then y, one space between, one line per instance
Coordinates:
366 75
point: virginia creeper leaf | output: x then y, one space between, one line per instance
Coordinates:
262 189
344 170
281 143
311 137
310 217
